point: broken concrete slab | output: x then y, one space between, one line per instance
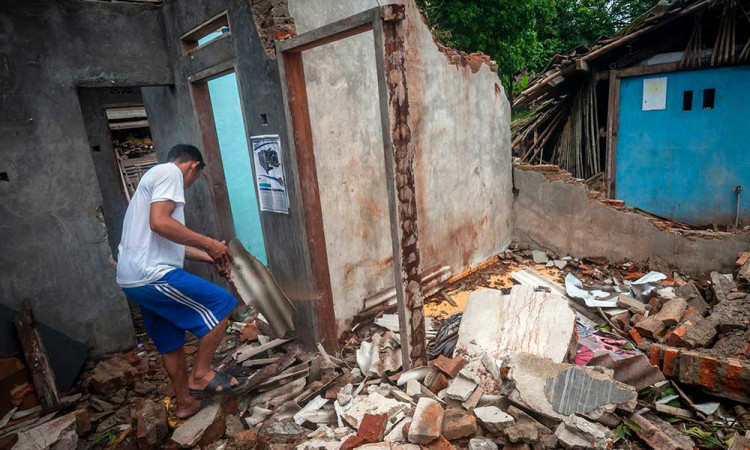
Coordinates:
427 423
493 419
539 323
721 285
558 390
525 433
458 424
191 432
374 403
659 434
578 433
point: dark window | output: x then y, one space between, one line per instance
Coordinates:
687 100
96 148
708 98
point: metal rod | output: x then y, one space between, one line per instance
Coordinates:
737 190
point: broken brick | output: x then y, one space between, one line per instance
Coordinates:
353 441
202 429
693 297
694 332
283 433
633 305
441 443
449 366
650 327
112 374
636 336
151 423
372 428
458 424
427 423
724 377
438 383
659 434
671 312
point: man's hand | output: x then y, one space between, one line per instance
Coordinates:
224 270
219 252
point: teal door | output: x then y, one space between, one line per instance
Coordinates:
237 160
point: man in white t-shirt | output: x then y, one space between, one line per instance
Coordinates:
154 245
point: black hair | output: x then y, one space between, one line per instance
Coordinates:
184 153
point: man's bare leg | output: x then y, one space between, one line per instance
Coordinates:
202 372
176 366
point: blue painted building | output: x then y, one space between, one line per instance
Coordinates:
684 161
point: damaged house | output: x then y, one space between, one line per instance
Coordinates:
422 291
655 113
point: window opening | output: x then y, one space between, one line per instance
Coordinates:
687 100
709 96
205 33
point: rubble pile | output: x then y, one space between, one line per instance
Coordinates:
597 356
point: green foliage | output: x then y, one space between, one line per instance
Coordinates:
522 36
622 431
705 438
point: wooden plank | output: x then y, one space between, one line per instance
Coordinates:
214 71
637 71
128 112
248 352
128 125
294 91
36 358
212 154
350 26
189 39
613 113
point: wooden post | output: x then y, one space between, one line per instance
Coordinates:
389 34
36 358
613 114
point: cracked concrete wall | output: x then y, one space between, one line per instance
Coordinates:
53 242
459 119
560 216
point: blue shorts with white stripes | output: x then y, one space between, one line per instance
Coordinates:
180 302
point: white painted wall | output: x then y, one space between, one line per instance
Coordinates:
460 129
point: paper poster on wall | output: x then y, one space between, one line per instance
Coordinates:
655 94
269 173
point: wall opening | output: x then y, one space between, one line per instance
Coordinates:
121 148
709 96
687 100
205 33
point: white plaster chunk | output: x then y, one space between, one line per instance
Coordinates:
493 419
374 404
482 444
59 434
189 433
578 433
539 257
539 323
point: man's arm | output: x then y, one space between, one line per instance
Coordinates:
196 254
161 222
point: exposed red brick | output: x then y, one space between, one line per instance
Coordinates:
352 442
734 371
458 424
372 428
708 372
655 352
744 257
636 336
670 355
438 383
449 366
441 443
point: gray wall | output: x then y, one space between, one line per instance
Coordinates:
53 242
460 129
559 216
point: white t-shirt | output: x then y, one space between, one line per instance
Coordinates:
145 256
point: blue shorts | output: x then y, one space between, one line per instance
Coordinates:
179 302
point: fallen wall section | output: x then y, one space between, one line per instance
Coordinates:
560 216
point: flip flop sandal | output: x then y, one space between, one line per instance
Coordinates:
219 380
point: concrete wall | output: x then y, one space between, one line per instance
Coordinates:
684 165
559 216
460 131
53 242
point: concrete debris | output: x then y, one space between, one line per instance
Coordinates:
275 433
427 423
633 305
558 390
539 323
739 442
207 421
578 433
462 386
693 297
56 434
493 419
482 444
539 256
373 403
151 423
671 312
